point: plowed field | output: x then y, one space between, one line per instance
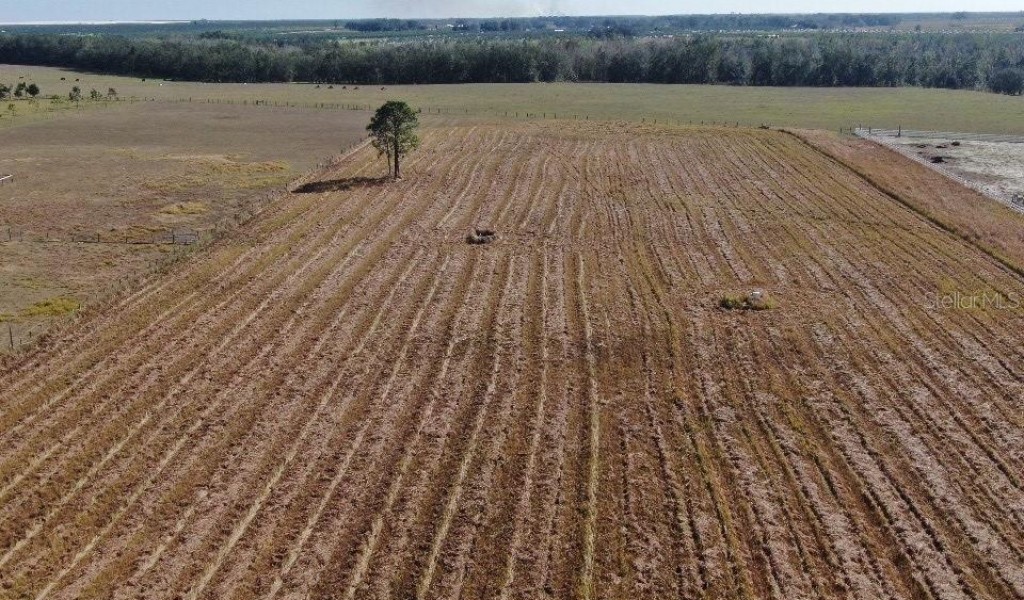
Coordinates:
346 400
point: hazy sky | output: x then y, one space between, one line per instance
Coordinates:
12 11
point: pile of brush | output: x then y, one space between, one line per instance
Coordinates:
481 236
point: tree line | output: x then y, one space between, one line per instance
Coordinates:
20 90
639 25
962 61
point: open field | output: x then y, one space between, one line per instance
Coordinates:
131 174
826 108
342 399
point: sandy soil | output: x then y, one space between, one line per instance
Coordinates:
996 168
346 400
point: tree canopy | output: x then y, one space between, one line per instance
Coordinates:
964 61
393 129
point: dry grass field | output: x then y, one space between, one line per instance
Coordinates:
988 224
128 174
343 399
820 108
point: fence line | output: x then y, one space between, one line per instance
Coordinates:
328 164
16 335
947 135
430 110
177 237
886 138
442 110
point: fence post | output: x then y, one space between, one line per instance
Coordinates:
10 335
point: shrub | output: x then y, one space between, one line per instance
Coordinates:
753 301
731 302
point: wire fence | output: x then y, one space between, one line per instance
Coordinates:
180 237
889 137
327 165
457 111
429 110
18 333
167 236
14 335
941 135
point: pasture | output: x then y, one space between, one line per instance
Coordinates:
92 190
818 108
344 399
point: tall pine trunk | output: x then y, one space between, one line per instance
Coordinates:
397 174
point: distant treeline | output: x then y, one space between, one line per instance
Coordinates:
640 25
634 25
964 61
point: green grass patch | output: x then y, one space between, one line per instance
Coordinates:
54 307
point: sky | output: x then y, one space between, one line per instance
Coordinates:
17 11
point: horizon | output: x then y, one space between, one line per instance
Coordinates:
93 12
100 22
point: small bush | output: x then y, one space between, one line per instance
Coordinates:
754 301
732 303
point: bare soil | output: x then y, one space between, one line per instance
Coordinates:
343 399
